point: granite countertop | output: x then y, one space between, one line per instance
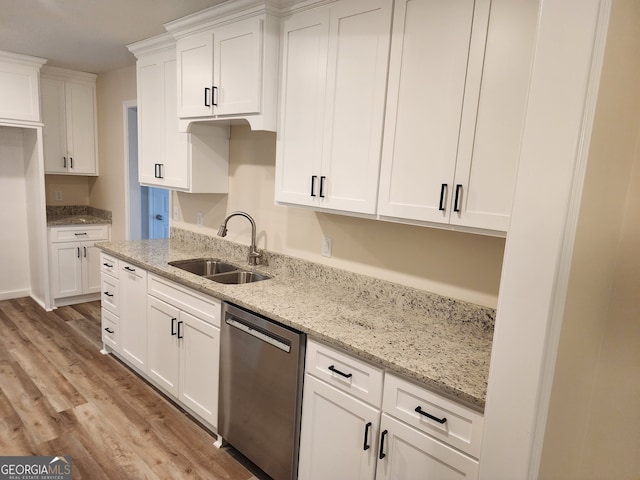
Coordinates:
442 343
77 215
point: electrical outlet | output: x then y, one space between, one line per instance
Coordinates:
58 196
199 218
176 213
326 246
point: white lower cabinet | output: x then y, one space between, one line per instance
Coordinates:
74 261
133 315
183 342
356 426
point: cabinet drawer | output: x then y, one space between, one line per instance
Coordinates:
80 234
110 329
202 306
109 265
345 372
110 294
462 428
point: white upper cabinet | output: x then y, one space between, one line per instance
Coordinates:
458 79
19 87
194 162
227 65
333 81
70 122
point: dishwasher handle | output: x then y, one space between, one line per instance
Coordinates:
259 334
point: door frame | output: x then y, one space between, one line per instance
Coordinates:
132 203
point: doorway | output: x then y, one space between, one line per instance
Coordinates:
146 208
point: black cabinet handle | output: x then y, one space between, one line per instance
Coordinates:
428 415
206 96
85 252
382 437
107 265
214 96
108 294
129 269
173 326
108 330
71 162
78 249
322 179
64 162
335 370
456 207
443 190
180 335
313 185
158 173
366 445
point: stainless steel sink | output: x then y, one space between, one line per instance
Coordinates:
239 276
218 271
203 266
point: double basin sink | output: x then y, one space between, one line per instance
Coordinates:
218 271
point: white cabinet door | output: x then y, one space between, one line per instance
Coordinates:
195 75
334 77
81 128
305 38
66 269
427 74
55 121
237 66
338 434
408 454
490 134
199 366
133 315
91 281
163 344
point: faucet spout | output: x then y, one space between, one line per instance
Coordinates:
254 255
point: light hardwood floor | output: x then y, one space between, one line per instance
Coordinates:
60 396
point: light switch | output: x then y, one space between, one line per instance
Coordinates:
326 246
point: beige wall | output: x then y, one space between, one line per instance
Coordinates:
73 189
107 191
458 265
592 428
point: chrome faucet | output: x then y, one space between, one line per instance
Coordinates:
254 255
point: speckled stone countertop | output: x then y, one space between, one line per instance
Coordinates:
76 215
442 343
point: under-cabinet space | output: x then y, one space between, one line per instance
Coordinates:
69 114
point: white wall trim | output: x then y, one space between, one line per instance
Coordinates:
561 104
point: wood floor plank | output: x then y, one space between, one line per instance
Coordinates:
60 396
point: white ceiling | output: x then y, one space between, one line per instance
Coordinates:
87 35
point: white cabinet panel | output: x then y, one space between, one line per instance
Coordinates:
70 122
163 344
133 315
408 454
20 87
335 56
195 75
338 436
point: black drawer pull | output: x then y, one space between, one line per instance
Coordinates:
108 330
206 96
428 415
313 185
456 206
322 179
382 436
335 370
366 445
83 234
108 294
129 269
180 335
108 265
214 96
443 190
173 326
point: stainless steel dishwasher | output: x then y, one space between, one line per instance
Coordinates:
260 399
